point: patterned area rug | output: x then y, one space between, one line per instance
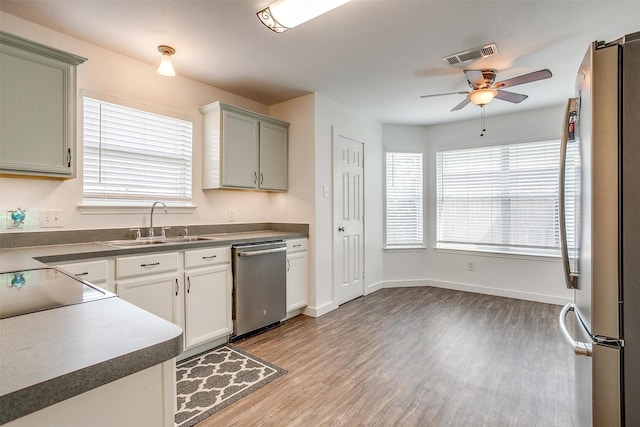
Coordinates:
215 379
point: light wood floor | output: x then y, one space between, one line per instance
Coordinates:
413 357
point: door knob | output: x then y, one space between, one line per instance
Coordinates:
340 228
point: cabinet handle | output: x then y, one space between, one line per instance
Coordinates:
188 284
150 265
298 245
209 257
288 265
255 177
177 286
261 178
82 274
68 157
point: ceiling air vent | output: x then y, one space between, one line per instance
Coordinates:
468 55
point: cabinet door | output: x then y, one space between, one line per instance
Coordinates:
38 105
157 294
273 156
208 304
239 150
297 279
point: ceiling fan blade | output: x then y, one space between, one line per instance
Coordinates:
516 98
460 106
444 93
525 78
474 77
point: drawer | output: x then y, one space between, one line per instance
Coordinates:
297 245
91 271
146 264
209 256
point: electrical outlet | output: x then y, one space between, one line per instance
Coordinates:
471 266
232 215
50 218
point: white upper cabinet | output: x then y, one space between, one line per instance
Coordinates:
243 150
37 108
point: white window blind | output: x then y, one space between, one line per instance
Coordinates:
500 198
134 156
404 199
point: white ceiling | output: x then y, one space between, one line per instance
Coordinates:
374 56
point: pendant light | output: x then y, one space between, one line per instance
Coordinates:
166 66
283 15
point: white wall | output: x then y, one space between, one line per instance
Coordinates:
330 114
297 204
538 279
113 74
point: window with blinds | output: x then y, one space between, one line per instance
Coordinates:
404 200
501 198
133 156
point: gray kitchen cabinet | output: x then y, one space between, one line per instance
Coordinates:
243 149
297 274
37 109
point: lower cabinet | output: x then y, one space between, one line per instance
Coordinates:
297 274
155 294
144 398
207 295
193 292
98 272
150 282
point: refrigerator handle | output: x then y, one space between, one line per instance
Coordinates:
579 348
570 279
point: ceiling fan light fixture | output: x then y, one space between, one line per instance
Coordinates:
166 65
482 97
284 15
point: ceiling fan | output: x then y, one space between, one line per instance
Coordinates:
483 88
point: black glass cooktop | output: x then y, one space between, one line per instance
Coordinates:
28 291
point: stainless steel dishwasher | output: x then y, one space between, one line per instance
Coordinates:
259 286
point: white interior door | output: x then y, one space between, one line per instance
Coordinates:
348 216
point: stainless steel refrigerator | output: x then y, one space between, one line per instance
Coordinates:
600 230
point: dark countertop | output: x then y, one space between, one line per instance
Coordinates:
53 355
15 259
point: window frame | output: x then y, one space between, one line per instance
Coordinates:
493 249
100 205
404 245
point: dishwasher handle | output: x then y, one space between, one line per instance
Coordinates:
262 252
579 348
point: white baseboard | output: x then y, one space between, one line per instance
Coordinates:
509 293
369 289
320 310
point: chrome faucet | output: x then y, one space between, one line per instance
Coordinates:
151 234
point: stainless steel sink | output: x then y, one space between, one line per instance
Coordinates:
157 241
187 239
132 243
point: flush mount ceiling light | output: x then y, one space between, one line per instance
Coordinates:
482 97
283 15
166 66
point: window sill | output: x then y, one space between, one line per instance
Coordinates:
404 248
121 210
496 254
